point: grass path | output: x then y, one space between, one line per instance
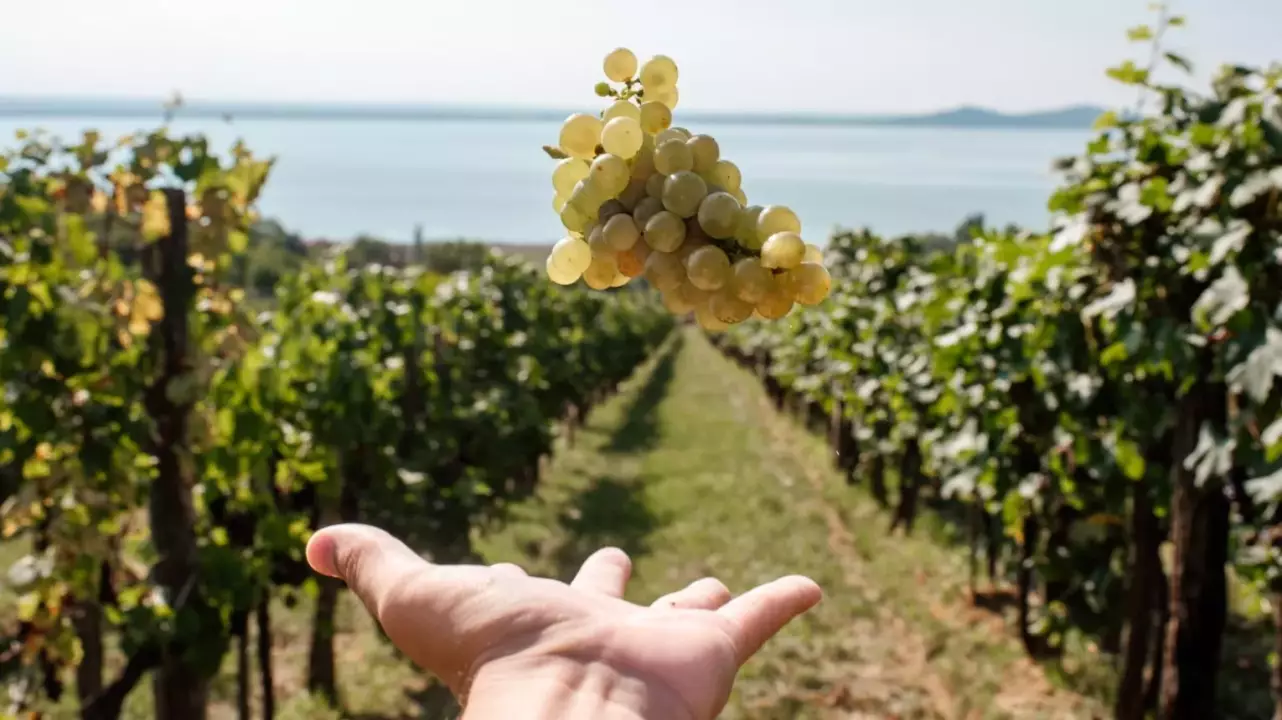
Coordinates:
692 472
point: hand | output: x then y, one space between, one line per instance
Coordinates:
514 646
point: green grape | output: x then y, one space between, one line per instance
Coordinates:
620 232
673 156
727 175
665 232
579 135
667 96
572 255
559 201
620 279
632 261
643 161
622 108
694 231
601 273
609 209
750 280
587 198
672 133
610 174
719 214
620 65
675 302
777 302
707 320
574 218
739 195
728 308
708 268
689 247
664 271
682 193
692 294
559 274
596 241
777 219
746 230
658 72
655 117
706 152
654 186
810 283
632 194
783 251
622 136
645 209
568 172
813 254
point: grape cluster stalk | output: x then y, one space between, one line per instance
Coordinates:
641 198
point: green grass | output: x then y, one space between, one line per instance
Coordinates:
691 471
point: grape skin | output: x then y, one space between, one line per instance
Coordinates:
655 117
620 65
665 232
622 136
784 250
683 192
708 268
673 156
579 135
719 214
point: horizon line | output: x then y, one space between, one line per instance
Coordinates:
116 106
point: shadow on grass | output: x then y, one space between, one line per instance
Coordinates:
609 512
640 427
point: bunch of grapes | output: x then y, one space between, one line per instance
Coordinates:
641 198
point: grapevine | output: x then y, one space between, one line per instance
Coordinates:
642 198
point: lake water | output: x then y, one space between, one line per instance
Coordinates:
489 179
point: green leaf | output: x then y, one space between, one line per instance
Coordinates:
1108 119
1176 21
555 153
1140 33
1179 61
1129 459
1128 73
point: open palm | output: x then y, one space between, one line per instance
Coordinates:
482 628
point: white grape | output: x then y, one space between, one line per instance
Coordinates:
601 273
610 174
622 136
810 283
813 254
668 96
673 156
746 231
664 271
655 117
658 72
727 175
620 65
776 219
646 209
783 250
654 186
620 232
579 135
572 254
682 193
559 274
719 214
749 280
706 152
672 133
622 108
665 232
632 194
568 172
708 268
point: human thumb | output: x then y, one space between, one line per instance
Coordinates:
369 560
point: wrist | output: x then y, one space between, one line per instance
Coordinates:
543 688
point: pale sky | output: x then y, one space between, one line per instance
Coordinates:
767 55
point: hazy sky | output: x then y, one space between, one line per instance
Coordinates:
833 55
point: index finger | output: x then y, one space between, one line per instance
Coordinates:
760 613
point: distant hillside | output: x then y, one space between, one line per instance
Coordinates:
1075 117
